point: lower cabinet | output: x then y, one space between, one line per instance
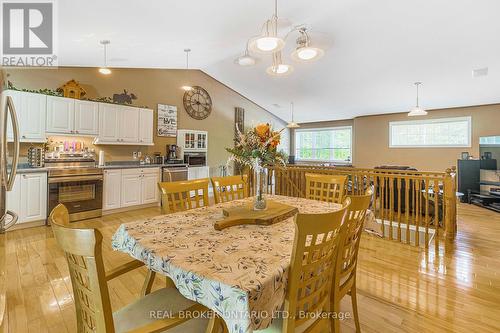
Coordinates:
28 197
130 187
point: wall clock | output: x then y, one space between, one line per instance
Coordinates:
197 103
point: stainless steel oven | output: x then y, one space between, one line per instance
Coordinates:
195 158
79 188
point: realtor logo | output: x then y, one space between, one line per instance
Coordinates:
28 32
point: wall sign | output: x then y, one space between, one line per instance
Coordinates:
167 120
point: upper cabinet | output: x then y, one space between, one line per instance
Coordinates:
86 117
72 116
60 115
124 125
146 126
31 113
40 115
192 140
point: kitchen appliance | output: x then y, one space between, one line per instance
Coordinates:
172 152
36 157
174 172
195 158
7 218
76 182
157 159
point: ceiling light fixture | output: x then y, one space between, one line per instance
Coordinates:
105 70
417 110
303 51
186 87
246 59
268 41
278 68
292 124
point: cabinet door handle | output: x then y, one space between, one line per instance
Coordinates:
24 176
118 140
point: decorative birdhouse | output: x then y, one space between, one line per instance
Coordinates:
72 90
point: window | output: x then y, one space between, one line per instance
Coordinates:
324 144
445 132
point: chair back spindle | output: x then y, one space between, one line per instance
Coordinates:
230 188
183 195
328 188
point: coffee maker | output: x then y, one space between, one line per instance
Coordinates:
172 152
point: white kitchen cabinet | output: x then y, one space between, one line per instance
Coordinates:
198 172
109 123
28 197
129 125
192 140
31 113
124 125
86 117
149 186
146 126
112 189
60 115
131 187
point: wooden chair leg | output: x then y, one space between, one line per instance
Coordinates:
335 322
216 325
148 283
354 301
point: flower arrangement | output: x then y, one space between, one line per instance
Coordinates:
256 148
258 145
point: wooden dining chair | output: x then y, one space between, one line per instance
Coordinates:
230 188
83 252
344 281
317 241
183 195
328 188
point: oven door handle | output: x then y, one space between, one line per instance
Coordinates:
175 170
74 179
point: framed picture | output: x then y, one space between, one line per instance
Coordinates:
465 155
167 120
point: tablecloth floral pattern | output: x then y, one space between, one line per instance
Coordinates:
239 272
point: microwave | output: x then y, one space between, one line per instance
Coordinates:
195 158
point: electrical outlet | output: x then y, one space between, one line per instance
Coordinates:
139 154
134 155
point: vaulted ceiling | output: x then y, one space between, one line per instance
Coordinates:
375 50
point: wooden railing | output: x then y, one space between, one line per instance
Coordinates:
405 203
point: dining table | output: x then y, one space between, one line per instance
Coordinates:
239 272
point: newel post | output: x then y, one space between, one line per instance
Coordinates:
450 203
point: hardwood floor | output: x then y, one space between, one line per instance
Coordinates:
400 288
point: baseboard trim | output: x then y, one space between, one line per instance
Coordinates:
129 208
25 225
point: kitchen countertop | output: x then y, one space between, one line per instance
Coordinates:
23 168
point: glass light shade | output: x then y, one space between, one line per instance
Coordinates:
105 70
279 70
417 111
266 44
307 53
186 88
292 124
245 60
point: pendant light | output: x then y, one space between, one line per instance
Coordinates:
417 110
304 52
186 87
246 59
268 41
292 124
105 70
278 68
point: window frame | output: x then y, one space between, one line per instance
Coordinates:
323 129
431 121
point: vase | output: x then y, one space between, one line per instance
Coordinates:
260 178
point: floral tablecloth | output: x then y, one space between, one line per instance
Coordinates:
239 272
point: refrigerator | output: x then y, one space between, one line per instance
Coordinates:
8 159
